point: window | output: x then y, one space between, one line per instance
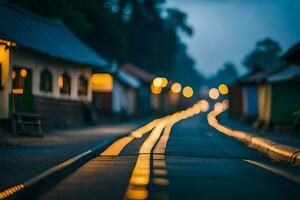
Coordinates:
46 81
82 86
102 82
18 76
64 84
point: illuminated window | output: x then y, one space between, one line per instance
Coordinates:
102 82
82 86
18 79
1 76
46 81
64 84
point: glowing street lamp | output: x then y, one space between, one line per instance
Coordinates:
155 90
188 92
176 88
160 82
157 82
223 89
214 93
164 82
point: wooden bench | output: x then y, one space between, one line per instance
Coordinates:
27 124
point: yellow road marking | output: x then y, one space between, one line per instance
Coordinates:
147 146
280 172
139 180
116 148
10 191
162 143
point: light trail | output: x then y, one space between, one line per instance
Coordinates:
239 135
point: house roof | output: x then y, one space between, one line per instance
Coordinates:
260 76
127 79
292 55
286 74
49 37
138 73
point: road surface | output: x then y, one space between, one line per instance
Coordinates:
181 158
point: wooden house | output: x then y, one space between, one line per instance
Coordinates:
255 93
284 97
148 100
236 101
44 68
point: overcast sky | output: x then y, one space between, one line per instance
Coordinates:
226 30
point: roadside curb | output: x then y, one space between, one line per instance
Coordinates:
36 185
275 151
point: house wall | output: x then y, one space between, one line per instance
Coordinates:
102 103
129 101
61 111
235 101
264 102
144 100
117 95
174 98
37 64
54 107
5 82
249 101
285 102
166 101
155 102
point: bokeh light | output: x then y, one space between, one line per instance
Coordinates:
23 73
14 74
164 82
155 90
218 107
157 82
176 88
223 89
187 92
204 105
214 93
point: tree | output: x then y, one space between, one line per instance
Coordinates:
93 21
154 39
123 30
227 74
184 71
265 55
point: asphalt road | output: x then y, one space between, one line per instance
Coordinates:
190 161
25 157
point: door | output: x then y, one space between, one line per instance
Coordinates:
22 89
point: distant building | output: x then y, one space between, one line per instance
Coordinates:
255 92
115 94
269 97
284 98
145 100
44 68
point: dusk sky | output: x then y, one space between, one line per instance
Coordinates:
226 30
